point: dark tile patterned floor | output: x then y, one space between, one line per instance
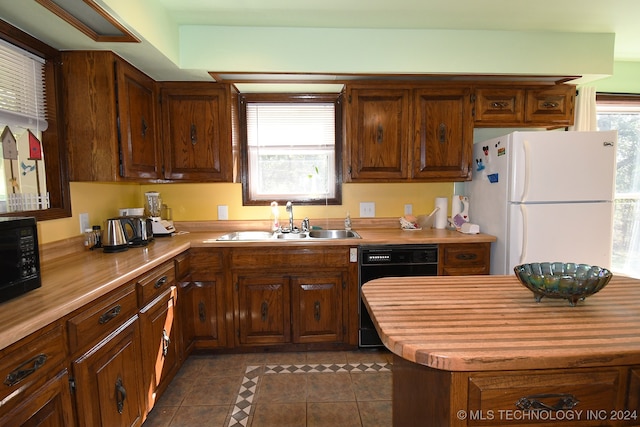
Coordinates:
351 388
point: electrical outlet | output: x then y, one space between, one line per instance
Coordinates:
223 212
367 209
84 222
408 209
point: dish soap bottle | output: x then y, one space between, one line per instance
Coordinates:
275 221
347 222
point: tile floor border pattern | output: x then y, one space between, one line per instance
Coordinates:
246 393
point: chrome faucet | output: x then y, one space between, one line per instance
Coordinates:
290 212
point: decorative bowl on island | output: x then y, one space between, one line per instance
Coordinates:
571 281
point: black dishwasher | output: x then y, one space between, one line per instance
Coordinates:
376 262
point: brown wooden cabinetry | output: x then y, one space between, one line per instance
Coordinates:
202 300
378 133
463 259
529 106
443 123
196 131
294 303
110 119
159 330
105 348
409 132
36 389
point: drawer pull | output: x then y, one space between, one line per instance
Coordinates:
499 105
564 401
550 104
264 311
316 311
110 314
467 256
21 372
160 282
121 395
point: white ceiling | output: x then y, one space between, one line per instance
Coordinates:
584 16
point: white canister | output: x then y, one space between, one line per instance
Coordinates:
441 214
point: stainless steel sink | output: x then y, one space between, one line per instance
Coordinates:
258 236
246 236
333 234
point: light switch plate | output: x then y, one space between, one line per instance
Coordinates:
353 254
84 222
367 209
408 209
223 212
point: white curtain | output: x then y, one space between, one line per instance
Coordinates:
585 114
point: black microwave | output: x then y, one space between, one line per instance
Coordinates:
19 257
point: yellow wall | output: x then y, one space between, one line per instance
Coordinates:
199 202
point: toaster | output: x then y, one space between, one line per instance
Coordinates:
138 230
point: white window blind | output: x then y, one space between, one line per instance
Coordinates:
291 148
22 88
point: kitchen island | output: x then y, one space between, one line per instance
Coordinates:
479 351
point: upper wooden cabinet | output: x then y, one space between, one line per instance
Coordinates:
110 122
196 120
530 106
378 133
410 132
443 125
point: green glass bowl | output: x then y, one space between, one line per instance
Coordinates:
571 281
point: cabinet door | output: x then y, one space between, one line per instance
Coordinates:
160 341
197 141
109 380
263 307
378 132
141 156
317 307
203 313
550 106
444 134
49 406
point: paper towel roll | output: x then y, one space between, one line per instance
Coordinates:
441 214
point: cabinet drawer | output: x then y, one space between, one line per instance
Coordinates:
30 361
496 396
156 282
205 263
464 255
291 257
102 317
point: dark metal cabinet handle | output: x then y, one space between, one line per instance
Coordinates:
380 134
194 135
110 314
565 401
165 343
467 256
264 311
202 312
316 311
121 395
550 104
22 371
161 281
442 133
144 127
499 105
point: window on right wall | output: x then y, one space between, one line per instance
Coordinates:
622 113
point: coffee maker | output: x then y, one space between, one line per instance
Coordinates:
153 209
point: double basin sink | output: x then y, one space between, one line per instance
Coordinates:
256 236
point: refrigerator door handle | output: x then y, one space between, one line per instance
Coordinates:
523 249
527 170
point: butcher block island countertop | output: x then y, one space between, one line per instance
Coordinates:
482 343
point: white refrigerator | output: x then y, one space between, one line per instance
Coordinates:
546 196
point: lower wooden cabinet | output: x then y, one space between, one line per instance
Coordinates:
160 345
316 305
109 380
202 308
